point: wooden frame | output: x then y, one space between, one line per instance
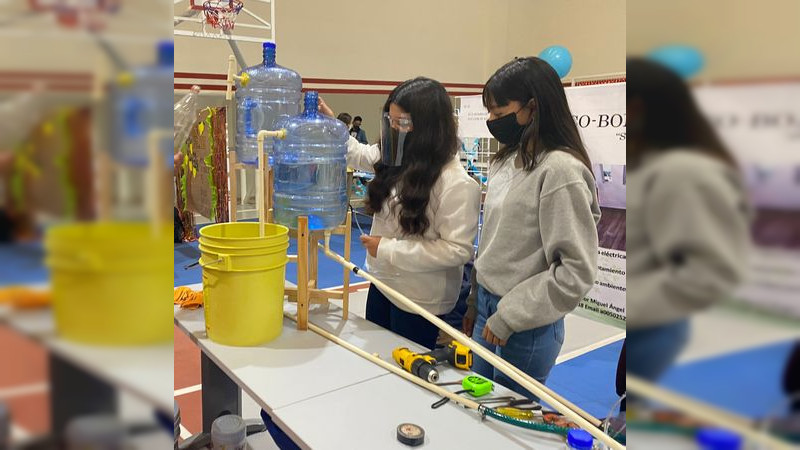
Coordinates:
307 291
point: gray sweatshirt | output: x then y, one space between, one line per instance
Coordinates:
687 236
538 247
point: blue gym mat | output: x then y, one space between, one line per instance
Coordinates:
589 380
22 264
746 382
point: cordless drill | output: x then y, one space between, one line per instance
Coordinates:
459 356
421 365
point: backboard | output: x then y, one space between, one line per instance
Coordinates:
254 23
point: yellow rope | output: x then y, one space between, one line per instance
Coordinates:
187 298
25 298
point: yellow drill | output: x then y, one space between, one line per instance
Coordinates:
459 356
423 364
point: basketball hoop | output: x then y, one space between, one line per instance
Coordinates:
222 13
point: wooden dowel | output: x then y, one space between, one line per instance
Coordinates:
703 411
526 382
438 390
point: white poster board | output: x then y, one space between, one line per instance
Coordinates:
599 112
760 125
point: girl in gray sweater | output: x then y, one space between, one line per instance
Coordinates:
537 256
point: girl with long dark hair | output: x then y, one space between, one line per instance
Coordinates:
538 248
425 208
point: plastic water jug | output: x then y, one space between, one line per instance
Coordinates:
272 94
310 169
142 102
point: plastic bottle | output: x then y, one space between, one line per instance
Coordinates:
229 433
718 439
579 440
95 432
185 115
271 95
142 102
310 169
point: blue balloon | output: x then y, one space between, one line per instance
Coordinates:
559 58
684 60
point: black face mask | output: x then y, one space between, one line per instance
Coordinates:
506 129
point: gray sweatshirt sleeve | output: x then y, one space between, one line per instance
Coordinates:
569 236
698 226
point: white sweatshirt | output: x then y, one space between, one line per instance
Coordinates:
427 269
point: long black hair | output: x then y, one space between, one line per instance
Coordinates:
670 117
532 81
430 145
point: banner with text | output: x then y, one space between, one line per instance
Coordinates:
760 124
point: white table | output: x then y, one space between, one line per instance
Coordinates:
366 416
324 396
86 378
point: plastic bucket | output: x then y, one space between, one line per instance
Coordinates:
110 282
243 235
243 282
241 259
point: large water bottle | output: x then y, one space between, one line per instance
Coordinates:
272 94
142 102
310 169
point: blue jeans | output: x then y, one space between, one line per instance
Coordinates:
651 351
532 351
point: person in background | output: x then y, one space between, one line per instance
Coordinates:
688 218
357 132
425 208
345 118
537 255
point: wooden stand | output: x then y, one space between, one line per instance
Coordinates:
307 258
307 292
233 184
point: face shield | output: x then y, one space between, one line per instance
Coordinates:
394 135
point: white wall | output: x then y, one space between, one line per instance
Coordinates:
449 40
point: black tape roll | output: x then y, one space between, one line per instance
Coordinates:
410 434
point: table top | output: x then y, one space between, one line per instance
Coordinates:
145 372
293 367
370 412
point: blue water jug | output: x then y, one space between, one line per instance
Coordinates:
272 94
142 102
310 169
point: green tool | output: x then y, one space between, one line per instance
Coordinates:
477 386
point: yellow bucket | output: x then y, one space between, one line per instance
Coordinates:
243 235
111 282
230 258
243 287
